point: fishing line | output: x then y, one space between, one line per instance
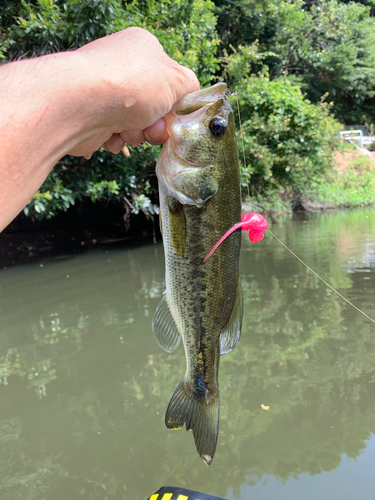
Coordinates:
243 148
283 244
317 275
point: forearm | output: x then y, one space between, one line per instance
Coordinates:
42 115
114 90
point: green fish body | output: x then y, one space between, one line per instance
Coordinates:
199 188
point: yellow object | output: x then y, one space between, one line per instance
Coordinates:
154 497
168 496
182 497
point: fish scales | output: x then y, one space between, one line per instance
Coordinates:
199 187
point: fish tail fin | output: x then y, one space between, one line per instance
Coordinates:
199 413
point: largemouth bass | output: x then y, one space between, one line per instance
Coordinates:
199 188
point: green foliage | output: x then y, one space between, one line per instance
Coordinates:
353 188
187 33
103 178
287 141
271 52
46 26
328 45
185 29
53 196
144 204
333 52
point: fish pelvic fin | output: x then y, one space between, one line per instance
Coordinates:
200 414
164 327
230 334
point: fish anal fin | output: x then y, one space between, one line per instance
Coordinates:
230 334
164 327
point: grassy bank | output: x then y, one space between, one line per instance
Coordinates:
350 184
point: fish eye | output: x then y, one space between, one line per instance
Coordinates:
217 127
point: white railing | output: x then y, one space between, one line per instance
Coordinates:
357 136
354 136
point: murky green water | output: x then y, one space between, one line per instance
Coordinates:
84 386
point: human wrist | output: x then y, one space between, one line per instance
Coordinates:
82 101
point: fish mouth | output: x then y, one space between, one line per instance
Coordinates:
197 103
196 100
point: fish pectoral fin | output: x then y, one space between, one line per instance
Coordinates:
164 327
230 334
177 225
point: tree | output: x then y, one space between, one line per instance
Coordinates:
187 33
282 57
332 51
328 45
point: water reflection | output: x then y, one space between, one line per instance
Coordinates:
84 387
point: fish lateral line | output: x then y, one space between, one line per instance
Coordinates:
252 222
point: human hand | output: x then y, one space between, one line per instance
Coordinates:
112 91
136 84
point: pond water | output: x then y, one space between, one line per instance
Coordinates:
84 386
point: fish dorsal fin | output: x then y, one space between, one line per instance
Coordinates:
230 334
164 327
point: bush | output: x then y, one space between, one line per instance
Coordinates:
104 178
288 142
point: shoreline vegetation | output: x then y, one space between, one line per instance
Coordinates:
301 71
350 184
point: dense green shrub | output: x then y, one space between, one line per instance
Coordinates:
105 177
185 29
287 141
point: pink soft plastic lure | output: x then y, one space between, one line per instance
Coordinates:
255 223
